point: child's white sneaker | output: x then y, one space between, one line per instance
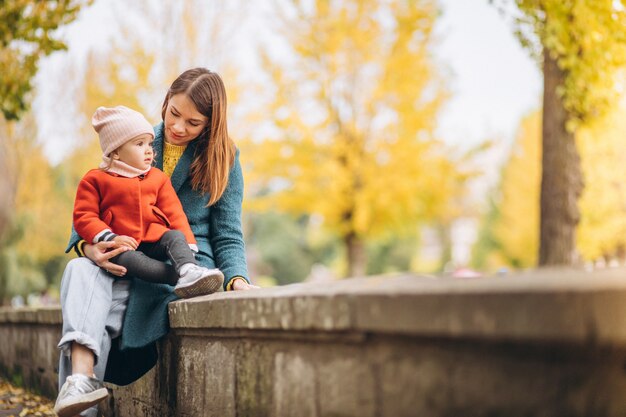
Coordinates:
78 393
198 280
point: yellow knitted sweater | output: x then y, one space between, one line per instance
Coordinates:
171 155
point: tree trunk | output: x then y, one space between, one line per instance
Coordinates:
561 178
356 255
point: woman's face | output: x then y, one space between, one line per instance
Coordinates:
183 122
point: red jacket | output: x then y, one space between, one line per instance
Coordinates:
142 207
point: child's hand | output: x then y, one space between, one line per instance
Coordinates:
122 240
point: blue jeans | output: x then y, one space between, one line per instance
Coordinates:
93 303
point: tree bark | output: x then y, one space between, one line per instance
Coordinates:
356 255
561 178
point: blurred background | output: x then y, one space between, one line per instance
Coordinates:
376 136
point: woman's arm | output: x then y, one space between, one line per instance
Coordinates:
98 253
225 230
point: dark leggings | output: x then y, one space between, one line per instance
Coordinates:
146 262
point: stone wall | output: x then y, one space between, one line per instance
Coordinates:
28 352
549 343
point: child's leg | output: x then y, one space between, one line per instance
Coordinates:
194 279
140 265
174 247
146 262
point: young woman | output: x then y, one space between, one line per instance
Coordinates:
111 324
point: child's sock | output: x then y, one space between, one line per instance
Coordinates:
184 268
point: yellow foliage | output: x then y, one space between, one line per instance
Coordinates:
588 40
353 114
517 227
42 217
602 230
28 31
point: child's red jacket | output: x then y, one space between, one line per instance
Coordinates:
143 207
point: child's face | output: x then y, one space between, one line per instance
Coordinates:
137 152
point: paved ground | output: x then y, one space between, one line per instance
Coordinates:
17 402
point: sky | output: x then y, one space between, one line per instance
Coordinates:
492 80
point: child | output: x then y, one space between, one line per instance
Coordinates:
134 204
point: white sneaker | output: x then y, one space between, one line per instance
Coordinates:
78 393
198 280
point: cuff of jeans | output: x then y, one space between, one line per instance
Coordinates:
65 344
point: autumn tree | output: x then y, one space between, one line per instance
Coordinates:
602 231
353 111
7 179
582 44
37 229
27 32
517 228
510 230
509 235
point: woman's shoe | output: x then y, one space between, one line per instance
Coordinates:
78 393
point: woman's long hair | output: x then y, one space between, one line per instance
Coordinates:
215 152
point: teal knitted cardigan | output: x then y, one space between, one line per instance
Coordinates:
219 235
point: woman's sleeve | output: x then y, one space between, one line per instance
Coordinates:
225 228
75 243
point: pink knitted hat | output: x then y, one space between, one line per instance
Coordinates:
117 125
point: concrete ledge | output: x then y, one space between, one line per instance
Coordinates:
560 305
41 315
545 343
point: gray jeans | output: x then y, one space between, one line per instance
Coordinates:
93 305
146 262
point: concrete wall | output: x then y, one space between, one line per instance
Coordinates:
28 352
550 343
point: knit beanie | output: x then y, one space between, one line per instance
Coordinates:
117 125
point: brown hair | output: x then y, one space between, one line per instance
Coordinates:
215 152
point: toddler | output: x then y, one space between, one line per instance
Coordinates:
134 204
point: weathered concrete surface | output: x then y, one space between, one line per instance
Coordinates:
566 306
549 343
28 352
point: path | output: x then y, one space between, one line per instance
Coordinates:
17 402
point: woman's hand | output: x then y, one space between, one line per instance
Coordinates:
123 240
240 284
99 255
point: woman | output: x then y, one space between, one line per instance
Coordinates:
193 148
